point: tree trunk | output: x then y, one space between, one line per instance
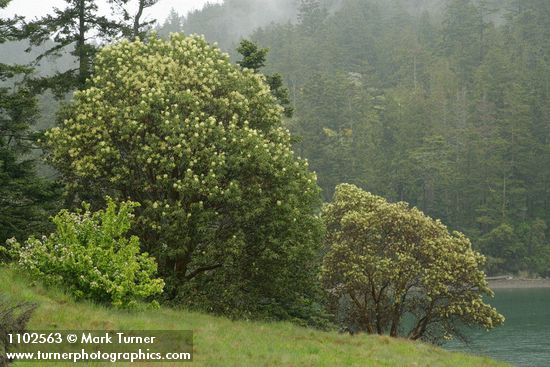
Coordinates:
81 45
135 32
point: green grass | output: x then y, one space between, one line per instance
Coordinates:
225 343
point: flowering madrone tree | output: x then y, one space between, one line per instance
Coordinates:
389 266
226 207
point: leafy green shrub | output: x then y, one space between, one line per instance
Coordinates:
90 254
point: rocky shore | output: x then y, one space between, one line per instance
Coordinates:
509 282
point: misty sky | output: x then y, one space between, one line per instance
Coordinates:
32 8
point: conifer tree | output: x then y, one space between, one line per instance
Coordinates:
254 58
25 199
80 29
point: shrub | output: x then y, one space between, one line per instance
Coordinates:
389 263
91 255
228 210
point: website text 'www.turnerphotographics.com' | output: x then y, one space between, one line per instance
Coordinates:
100 346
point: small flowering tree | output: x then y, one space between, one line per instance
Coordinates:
389 265
227 208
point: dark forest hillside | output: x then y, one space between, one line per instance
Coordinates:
443 104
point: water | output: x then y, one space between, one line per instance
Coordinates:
524 339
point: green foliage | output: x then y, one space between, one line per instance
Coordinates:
79 29
254 58
25 199
311 15
446 109
229 21
453 112
390 262
517 248
227 208
92 256
7 26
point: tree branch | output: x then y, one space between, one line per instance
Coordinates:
196 272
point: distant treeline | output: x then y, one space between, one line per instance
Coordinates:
444 104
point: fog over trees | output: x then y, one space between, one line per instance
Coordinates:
443 104
273 158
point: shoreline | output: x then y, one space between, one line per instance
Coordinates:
518 283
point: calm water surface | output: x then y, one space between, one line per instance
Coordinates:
524 339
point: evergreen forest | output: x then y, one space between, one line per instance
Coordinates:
442 104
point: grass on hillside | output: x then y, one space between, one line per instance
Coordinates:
219 342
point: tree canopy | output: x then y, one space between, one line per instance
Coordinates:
227 208
443 106
388 261
81 29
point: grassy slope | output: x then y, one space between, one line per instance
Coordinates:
221 342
